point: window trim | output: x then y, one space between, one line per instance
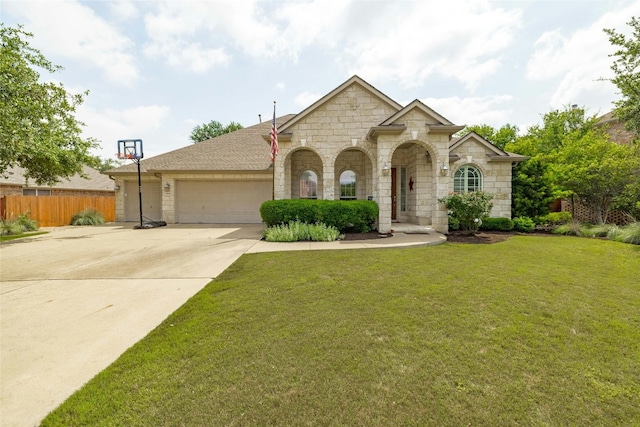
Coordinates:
355 185
461 176
301 186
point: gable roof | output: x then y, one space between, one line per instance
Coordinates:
351 81
240 150
417 104
497 153
95 181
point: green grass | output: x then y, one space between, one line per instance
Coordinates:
532 331
20 236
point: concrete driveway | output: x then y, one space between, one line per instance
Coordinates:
75 299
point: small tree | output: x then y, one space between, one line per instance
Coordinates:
627 74
211 130
468 209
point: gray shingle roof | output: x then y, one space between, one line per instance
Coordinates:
241 150
94 181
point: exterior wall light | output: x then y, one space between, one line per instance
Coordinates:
385 169
444 169
167 186
116 187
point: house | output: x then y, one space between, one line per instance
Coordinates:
14 183
353 143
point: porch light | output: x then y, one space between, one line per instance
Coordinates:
167 186
385 169
444 169
116 187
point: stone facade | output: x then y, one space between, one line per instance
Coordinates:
411 149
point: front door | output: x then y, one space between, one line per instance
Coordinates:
393 194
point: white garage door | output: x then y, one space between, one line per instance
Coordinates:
151 201
223 202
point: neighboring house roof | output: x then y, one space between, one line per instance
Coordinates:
240 150
616 129
94 180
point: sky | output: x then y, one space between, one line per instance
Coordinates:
156 69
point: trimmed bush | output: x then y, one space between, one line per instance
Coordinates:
346 216
88 217
555 218
524 224
497 224
468 209
298 231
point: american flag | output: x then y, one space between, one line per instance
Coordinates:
274 135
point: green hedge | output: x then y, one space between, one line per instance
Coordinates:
497 224
347 216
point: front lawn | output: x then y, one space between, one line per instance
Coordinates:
530 331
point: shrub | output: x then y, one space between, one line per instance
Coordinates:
524 224
497 224
629 234
88 217
297 231
8 228
600 230
26 222
555 218
570 229
355 215
469 209
21 224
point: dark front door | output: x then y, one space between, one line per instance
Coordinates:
393 194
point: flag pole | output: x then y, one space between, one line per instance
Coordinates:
274 139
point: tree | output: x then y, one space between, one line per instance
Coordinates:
498 137
596 170
211 130
532 189
105 164
626 68
38 130
534 185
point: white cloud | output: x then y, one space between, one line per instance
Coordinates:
109 125
124 10
305 99
411 42
81 36
579 60
491 110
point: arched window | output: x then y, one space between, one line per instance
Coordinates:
348 185
467 178
308 185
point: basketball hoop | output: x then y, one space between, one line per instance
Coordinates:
130 149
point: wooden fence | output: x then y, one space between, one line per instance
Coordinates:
53 211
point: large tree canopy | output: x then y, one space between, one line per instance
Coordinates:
626 68
211 130
38 130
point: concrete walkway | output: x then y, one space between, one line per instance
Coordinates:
73 300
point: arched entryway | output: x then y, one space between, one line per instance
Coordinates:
353 175
413 195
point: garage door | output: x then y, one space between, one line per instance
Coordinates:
224 202
151 201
